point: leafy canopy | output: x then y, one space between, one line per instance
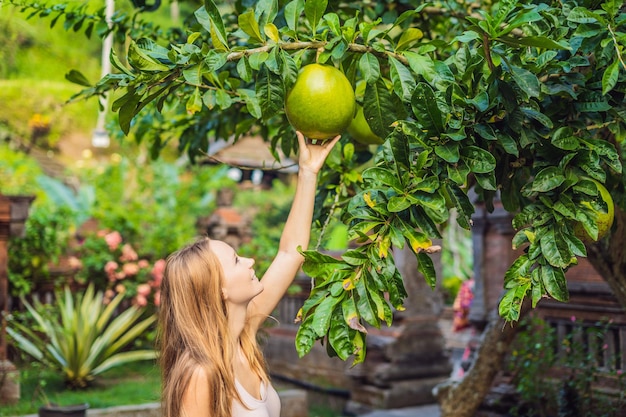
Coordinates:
521 102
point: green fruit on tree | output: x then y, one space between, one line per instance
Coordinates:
604 220
360 130
321 103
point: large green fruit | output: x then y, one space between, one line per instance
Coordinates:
361 131
321 103
604 220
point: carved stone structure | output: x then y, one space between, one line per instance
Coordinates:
403 362
13 215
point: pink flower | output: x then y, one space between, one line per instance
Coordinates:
143 290
573 318
141 301
157 272
110 267
113 239
143 264
120 288
157 298
605 346
130 268
128 254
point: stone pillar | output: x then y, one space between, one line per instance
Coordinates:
492 235
405 362
13 214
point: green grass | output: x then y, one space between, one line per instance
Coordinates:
136 383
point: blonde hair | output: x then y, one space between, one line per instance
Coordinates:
193 331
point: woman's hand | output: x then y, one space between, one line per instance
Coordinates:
312 156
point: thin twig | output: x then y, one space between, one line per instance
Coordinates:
330 214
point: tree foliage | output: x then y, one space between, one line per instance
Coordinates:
521 102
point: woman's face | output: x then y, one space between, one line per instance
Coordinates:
240 282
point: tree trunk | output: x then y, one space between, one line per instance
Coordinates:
608 257
463 398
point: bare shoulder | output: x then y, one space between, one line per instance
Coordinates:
195 399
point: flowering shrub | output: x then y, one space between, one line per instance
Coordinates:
114 267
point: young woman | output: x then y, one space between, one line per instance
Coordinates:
212 305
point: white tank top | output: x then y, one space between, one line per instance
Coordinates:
267 406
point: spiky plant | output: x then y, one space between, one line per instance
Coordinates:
85 338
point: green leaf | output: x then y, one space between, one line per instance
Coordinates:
223 99
270 95
478 160
249 25
339 337
518 270
314 11
582 15
487 181
422 65
244 70
511 303
563 138
425 109
323 313
363 304
610 76
380 175
305 336
554 282
77 77
400 151
555 249
398 203
293 11
332 20
266 11
408 37
533 41
138 59
448 152
547 179
426 267
526 80
369 67
217 27
378 108
402 79
458 173
538 116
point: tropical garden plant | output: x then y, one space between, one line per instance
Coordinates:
82 336
577 360
518 103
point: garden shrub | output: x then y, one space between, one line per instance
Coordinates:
560 377
46 237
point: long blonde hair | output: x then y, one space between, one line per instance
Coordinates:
194 332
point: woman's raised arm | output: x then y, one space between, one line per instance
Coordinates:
297 231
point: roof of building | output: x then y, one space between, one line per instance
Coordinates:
250 152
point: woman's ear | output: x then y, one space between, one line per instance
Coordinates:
224 294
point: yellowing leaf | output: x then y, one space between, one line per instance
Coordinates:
383 247
368 200
355 324
348 284
271 31
298 318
